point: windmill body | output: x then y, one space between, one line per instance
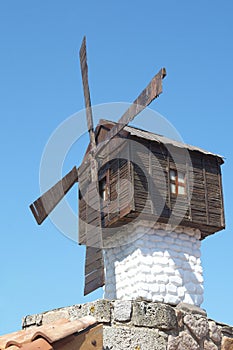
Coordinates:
159 198
145 203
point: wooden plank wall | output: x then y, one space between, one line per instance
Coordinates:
214 191
160 195
141 177
120 177
121 198
198 197
201 207
84 182
179 160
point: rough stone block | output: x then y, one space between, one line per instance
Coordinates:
227 343
156 315
191 309
100 309
198 325
122 310
55 315
133 338
183 341
226 330
32 320
209 345
215 332
29 321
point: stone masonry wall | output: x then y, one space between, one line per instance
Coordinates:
143 325
155 264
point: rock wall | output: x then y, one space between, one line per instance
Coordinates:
143 325
154 264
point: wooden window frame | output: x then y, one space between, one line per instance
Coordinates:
177 183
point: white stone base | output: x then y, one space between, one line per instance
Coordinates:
154 264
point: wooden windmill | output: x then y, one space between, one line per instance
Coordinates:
42 207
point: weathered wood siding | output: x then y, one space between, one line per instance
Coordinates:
141 177
84 182
214 194
200 207
158 190
145 164
120 201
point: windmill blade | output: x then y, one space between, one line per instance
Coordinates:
86 90
43 206
94 263
94 269
152 91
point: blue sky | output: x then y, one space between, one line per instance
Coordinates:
40 86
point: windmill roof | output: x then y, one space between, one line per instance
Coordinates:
140 133
44 337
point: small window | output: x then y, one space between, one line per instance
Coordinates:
104 187
177 182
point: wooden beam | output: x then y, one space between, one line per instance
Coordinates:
86 91
152 91
43 206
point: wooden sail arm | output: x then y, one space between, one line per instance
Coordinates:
152 91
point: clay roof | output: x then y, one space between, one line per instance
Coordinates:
56 335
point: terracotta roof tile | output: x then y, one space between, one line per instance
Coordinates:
39 344
56 333
25 335
43 337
